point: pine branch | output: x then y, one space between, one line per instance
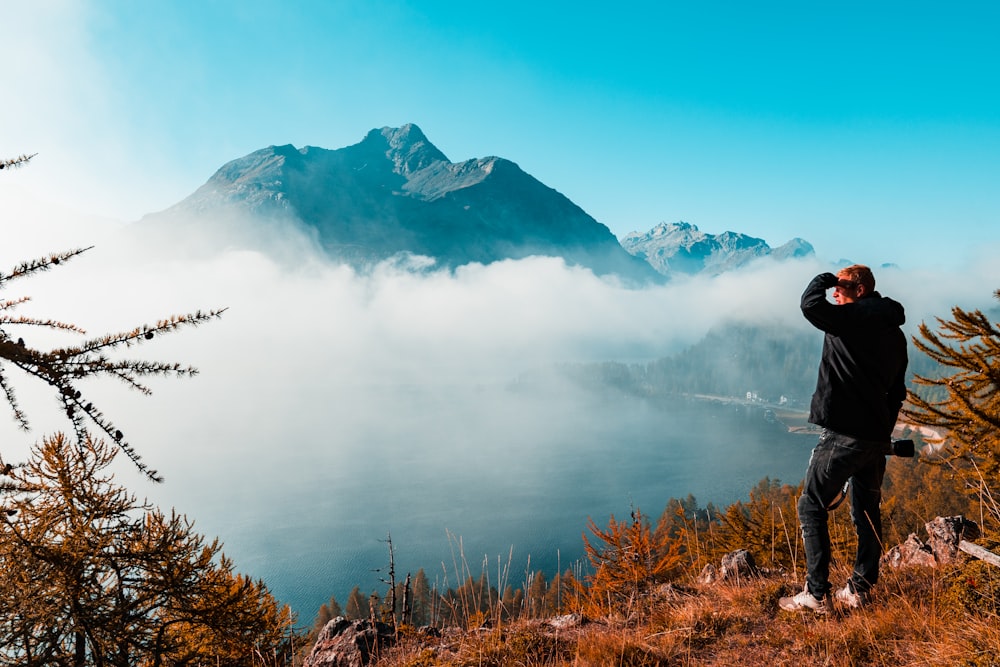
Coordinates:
32 321
60 367
14 163
138 335
127 378
19 416
14 303
75 411
40 264
969 344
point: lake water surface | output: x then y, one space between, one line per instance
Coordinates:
507 486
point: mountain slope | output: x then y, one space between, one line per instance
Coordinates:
395 192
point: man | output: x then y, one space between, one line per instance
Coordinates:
859 392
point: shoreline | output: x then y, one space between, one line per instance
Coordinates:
797 421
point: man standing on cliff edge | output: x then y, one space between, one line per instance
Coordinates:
859 392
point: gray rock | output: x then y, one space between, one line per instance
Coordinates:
738 565
344 643
566 621
912 552
945 534
709 574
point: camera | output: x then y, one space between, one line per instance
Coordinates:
902 448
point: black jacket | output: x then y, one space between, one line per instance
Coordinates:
862 373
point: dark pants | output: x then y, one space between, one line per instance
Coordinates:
836 459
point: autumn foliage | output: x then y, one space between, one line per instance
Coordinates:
627 558
90 575
963 401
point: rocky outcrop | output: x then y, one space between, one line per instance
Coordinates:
566 621
944 536
344 643
735 567
909 553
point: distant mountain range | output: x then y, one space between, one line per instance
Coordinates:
681 247
396 193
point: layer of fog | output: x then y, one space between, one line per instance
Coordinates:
349 404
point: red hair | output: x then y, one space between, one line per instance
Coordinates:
860 274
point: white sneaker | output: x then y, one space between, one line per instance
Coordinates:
804 601
848 598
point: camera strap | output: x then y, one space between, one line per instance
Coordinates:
839 498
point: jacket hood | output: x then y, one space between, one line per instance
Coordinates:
883 306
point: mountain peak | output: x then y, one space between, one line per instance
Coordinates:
395 192
795 248
406 147
404 135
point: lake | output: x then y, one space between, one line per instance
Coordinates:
503 483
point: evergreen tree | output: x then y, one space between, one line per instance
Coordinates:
422 600
516 605
91 576
333 608
967 346
357 605
569 599
554 596
685 530
918 489
627 559
510 602
474 600
534 595
766 525
327 612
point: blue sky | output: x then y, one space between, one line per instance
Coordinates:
870 129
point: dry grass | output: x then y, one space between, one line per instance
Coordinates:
948 615
915 618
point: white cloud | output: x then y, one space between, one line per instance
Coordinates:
296 343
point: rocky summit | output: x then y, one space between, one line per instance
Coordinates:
395 192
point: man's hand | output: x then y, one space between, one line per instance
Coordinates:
828 280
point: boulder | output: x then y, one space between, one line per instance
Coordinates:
945 534
344 643
566 621
911 552
738 565
709 574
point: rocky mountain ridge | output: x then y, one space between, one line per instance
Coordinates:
395 193
680 247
